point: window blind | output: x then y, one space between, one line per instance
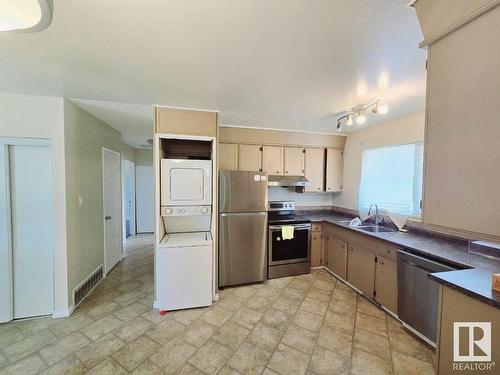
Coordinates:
391 177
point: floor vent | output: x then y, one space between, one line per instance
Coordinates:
87 286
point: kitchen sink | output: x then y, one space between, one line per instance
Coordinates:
376 229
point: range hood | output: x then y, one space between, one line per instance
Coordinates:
287 181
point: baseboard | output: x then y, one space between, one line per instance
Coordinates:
63 313
155 304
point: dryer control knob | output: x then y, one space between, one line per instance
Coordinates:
168 211
204 210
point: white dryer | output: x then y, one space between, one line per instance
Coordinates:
186 182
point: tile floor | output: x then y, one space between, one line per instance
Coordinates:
309 324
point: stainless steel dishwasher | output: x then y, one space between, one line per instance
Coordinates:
418 296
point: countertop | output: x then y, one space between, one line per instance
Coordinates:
475 283
474 276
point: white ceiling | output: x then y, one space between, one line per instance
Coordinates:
288 64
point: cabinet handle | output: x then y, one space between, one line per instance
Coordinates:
382 262
351 249
286 172
387 251
277 171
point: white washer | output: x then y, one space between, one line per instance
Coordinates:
184 271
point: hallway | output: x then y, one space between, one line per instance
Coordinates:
305 324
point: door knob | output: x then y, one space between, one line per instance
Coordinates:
107 218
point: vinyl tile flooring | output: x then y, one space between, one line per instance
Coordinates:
308 324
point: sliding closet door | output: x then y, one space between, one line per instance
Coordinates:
32 232
6 298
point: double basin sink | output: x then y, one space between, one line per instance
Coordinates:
372 228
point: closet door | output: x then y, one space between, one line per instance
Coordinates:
145 206
6 297
30 170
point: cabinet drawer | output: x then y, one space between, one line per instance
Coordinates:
316 227
387 251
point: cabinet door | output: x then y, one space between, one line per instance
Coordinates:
337 256
386 283
250 158
361 269
334 169
294 161
314 169
316 249
228 156
272 160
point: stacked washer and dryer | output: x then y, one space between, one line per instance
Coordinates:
185 254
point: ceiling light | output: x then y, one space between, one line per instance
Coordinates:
383 109
25 15
361 119
349 121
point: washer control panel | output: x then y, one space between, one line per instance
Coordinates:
185 210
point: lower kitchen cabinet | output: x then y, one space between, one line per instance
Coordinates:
386 283
361 269
336 255
317 253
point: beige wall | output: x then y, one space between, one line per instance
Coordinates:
143 156
462 176
440 17
404 130
301 199
269 137
42 117
85 136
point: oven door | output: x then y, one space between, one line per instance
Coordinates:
294 250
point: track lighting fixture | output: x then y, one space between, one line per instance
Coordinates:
359 111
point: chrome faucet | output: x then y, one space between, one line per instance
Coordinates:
378 220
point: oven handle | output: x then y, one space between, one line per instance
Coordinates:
296 226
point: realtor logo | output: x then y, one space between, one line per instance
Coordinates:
472 341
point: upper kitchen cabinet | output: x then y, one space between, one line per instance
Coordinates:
272 160
250 158
334 169
294 161
228 156
185 122
314 169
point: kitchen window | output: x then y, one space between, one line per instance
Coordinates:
391 177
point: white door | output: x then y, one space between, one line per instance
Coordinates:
112 199
144 188
128 199
27 237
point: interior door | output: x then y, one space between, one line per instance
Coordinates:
113 245
6 298
128 199
30 170
144 185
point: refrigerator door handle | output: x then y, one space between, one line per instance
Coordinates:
224 214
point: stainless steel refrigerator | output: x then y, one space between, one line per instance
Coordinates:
242 227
